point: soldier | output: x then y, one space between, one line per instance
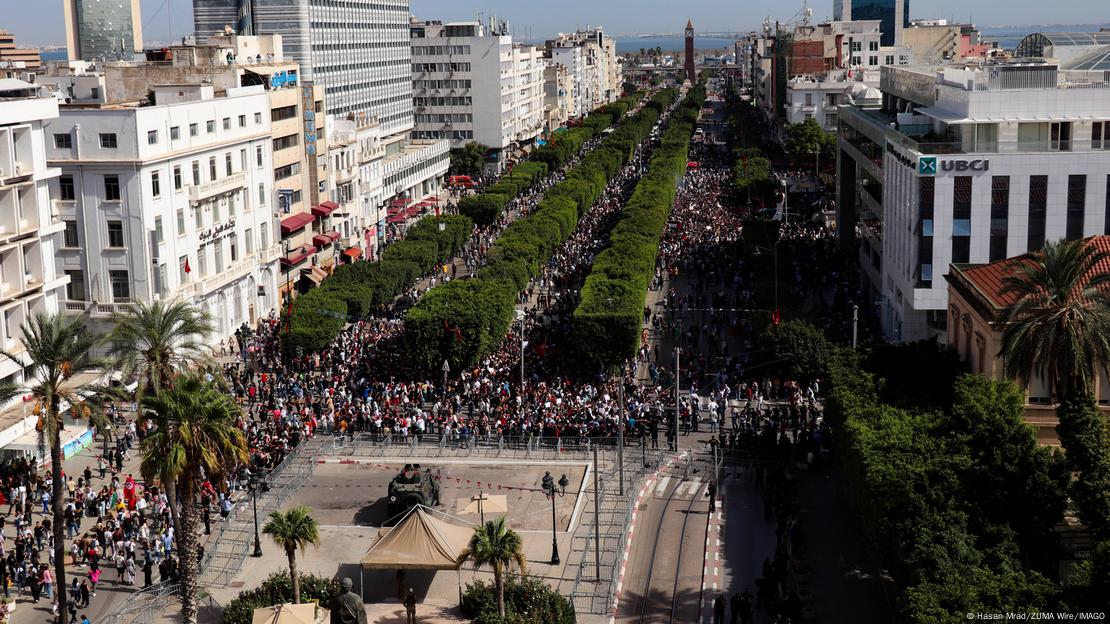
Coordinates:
711 492
410 607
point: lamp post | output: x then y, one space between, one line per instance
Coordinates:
256 483
548 484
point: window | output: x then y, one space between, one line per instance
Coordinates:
211 168
111 188
155 184
181 222
202 261
108 140
284 142
258 156
242 121
115 233
75 289
227 163
177 177
873 46
1038 206
193 130
1000 216
198 217
69 236
234 244
159 232
175 133
66 191
257 118
925 199
889 59
63 141
232 199
961 219
210 126
227 123
264 243
182 265
196 173
216 211
243 159
219 249
1100 135
121 286
163 279
152 137
986 137
248 239
1077 204
287 171
1060 136
261 194
283 112
94 93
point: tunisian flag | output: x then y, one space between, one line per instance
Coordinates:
129 492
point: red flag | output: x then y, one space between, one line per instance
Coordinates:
188 269
776 317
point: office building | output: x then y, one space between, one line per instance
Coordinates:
893 14
968 163
472 83
102 30
172 200
12 56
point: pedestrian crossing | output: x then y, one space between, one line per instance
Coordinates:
692 488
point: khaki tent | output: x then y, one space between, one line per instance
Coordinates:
286 614
419 541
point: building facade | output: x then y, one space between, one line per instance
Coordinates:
968 164
893 14
11 55
169 201
100 30
591 59
472 83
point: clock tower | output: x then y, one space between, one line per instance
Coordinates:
690 75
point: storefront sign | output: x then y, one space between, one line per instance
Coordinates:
213 232
931 165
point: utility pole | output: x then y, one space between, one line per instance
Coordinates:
620 430
677 393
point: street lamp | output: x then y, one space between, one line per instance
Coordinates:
549 489
256 482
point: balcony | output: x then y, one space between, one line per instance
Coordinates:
96 310
238 271
226 184
268 255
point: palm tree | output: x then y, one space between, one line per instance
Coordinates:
1059 326
151 343
1059 323
60 352
200 440
292 530
496 545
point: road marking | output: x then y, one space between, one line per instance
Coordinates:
695 487
662 486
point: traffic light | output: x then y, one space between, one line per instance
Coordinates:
776 317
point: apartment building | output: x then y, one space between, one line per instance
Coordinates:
172 200
558 96
11 55
472 83
102 30
591 59
968 163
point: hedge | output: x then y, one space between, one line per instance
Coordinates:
610 312
518 254
353 291
278 589
528 600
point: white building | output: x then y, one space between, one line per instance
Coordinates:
174 200
472 83
30 230
591 58
355 157
968 164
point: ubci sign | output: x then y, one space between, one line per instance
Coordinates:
931 165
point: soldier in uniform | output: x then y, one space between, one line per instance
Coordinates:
347 608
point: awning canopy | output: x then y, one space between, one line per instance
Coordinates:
326 238
295 222
298 256
353 252
324 209
419 541
399 202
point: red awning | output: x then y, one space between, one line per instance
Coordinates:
326 238
324 209
298 256
397 218
296 222
692 165
460 180
399 201
330 204
353 252
413 211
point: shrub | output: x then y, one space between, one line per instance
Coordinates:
483 208
278 589
528 600
318 317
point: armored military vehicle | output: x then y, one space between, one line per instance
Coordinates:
411 487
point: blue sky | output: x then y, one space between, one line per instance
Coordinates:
40 22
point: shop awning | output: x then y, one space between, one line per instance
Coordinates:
414 210
293 223
324 209
325 239
397 218
298 256
353 252
399 202
316 275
